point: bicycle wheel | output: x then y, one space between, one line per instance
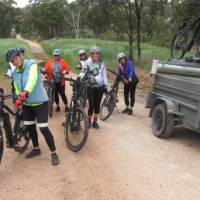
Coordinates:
179 45
21 136
51 100
1 144
76 129
108 105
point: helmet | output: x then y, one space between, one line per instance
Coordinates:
81 51
21 50
56 52
95 49
11 53
121 55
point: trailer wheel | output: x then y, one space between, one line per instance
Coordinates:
162 122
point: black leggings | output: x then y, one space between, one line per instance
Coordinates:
45 132
39 114
94 96
129 93
59 88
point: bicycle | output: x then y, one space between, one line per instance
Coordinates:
182 42
17 136
109 102
76 126
50 87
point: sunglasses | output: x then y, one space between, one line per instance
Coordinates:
56 55
82 54
95 53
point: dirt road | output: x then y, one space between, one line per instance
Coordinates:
121 161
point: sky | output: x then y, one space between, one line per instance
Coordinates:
23 3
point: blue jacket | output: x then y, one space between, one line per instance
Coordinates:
25 79
129 70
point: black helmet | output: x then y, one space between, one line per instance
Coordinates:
21 50
11 53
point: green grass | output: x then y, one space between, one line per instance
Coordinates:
70 47
5 44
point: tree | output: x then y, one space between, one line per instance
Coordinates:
129 11
138 13
73 17
7 16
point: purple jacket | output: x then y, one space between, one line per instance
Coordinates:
129 70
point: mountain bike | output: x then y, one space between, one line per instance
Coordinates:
17 137
109 102
50 87
184 39
76 126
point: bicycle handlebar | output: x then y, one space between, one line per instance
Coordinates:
7 96
112 71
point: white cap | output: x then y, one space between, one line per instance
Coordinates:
81 51
121 55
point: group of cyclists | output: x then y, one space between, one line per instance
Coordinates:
29 91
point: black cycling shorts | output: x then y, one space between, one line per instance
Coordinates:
36 114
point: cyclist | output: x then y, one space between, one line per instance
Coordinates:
126 73
58 67
30 90
11 69
95 93
83 59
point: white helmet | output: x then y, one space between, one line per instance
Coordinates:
95 49
121 55
81 51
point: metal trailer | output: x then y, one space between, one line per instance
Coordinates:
174 100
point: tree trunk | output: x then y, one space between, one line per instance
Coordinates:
138 38
130 48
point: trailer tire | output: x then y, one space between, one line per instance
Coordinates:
162 122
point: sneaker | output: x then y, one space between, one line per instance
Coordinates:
125 110
58 109
130 111
95 125
33 153
54 159
66 109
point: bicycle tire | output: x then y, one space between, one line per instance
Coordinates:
20 135
68 129
178 41
1 144
110 106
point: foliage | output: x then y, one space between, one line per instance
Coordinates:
135 21
70 47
